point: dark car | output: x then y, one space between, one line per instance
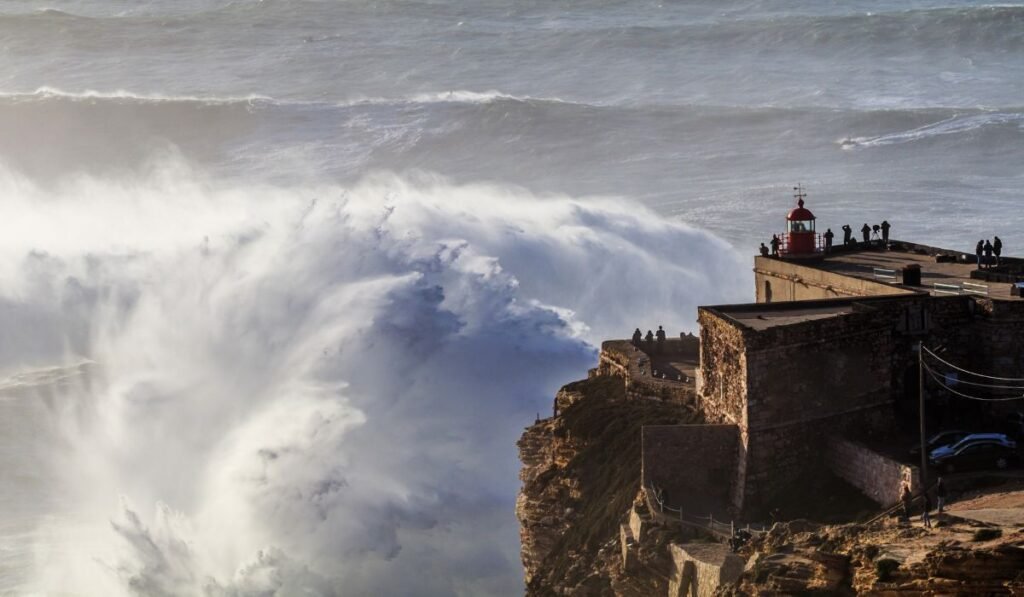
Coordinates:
978 455
942 438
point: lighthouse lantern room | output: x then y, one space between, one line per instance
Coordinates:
800 240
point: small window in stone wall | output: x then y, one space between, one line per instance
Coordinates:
767 291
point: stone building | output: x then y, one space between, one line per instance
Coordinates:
825 363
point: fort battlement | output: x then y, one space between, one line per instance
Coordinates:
664 371
827 357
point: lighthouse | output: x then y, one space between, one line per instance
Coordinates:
800 241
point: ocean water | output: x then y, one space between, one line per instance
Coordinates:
281 281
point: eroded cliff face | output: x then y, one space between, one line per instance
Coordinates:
581 474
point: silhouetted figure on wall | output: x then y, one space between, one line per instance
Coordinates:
638 337
828 239
988 254
847 234
661 339
775 245
764 250
997 248
866 232
978 250
649 338
885 232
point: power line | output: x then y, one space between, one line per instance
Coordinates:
947 363
978 384
967 396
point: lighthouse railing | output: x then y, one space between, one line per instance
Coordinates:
784 249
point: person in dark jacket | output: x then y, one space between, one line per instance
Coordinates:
926 507
764 250
866 232
847 234
940 494
885 232
638 337
661 339
997 248
978 250
775 245
988 254
649 338
828 239
906 498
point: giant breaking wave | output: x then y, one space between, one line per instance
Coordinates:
257 390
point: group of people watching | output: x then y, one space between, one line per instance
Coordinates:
907 501
639 339
876 233
986 249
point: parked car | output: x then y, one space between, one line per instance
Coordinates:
978 456
997 438
942 438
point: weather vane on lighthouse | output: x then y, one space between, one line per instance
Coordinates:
800 194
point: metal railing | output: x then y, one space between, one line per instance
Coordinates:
899 506
972 288
884 274
718 528
819 243
962 288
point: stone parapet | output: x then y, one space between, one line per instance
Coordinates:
653 372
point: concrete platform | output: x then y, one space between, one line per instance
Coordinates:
862 264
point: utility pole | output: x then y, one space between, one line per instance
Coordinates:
920 410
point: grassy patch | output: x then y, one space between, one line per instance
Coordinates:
884 567
987 534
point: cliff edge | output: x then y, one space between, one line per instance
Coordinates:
581 476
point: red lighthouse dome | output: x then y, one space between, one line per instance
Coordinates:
801 240
800 213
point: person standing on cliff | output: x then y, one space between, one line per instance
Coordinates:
638 336
926 506
865 231
764 250
978 250
940 494
906 498
988 254
649 338
661 339
828 240
885 232
847 234
997 248
775 245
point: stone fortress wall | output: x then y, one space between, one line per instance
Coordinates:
787 388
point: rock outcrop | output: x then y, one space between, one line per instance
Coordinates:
580 477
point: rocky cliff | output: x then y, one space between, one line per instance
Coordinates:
959 556
581 475
586 529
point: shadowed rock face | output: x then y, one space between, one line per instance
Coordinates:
581 472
